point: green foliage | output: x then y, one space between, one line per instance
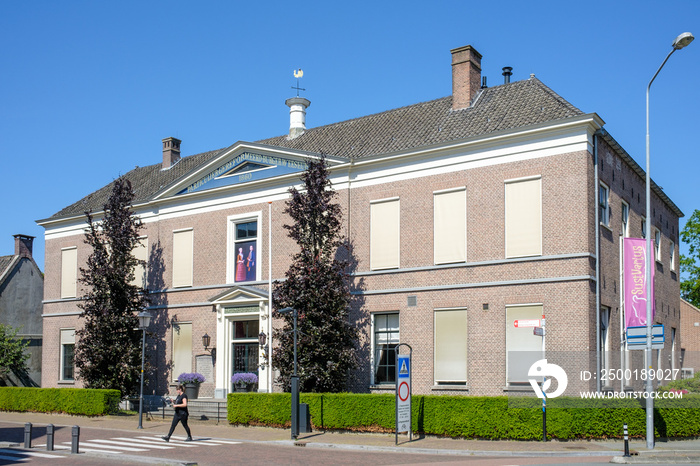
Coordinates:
692 385
77 401
474 417
316 286
690 264
108 349
12 356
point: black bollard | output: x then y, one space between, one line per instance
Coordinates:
627 443
28 435
75 440
49 437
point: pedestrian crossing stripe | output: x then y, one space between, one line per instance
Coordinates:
21 453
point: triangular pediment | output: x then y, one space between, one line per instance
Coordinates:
239 295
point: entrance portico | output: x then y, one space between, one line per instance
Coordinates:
241 316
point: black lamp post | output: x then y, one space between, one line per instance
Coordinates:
144 321
295 377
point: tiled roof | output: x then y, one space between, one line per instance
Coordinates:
5 262
503 107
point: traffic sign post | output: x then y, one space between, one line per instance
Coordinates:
403 392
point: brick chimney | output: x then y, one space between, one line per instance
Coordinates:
466 76
23 245
171 152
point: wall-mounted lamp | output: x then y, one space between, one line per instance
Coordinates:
262 341
206 341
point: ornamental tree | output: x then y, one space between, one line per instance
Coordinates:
108 347
690 264
13 359
316 286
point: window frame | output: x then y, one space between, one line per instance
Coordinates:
512 251
465 356
439 238
62 356
65 292
509 326
373 239
625 219
178 282
672 258
232 242
374 362
604 205
657 245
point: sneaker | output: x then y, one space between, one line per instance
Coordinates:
166 438
188 439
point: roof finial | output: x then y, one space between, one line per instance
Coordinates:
298 74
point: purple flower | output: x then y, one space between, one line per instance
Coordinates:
191 377
244 377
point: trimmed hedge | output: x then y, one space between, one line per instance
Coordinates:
474 417
81 401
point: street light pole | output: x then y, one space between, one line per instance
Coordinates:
295 377
144 320
680 42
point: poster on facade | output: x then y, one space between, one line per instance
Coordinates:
635 273
246 262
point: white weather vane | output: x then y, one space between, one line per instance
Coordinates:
298 74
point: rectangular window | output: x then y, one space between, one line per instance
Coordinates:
69 272
450 226
384 234
245 346
243 248
67 355
625 219
672 253
644 227
523 348
140 252
182 349
604 205
523 206
657 245
450 346
386 337
183 258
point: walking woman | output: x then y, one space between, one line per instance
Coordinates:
181 414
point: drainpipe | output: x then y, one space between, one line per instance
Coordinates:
597 260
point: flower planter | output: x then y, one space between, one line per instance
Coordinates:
192 391
244 387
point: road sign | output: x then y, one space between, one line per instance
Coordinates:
539 331
403 392
522 323
637 337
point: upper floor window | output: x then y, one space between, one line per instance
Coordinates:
604 205
140 252
244 245
183 257
523 208
384 234
625 216
450 226
657 245
69 272
672 259
644 227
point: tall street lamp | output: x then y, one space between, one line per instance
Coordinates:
680 42
144 321
295 377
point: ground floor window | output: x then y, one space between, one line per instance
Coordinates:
67 355
450 346
386 337
523 348
182 348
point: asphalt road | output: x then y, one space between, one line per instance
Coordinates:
107 447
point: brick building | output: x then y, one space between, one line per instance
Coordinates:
21 294
465 214
690 336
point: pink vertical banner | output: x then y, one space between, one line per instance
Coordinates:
635 274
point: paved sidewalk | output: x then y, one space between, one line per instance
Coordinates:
665 452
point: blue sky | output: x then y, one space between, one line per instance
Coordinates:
88 89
